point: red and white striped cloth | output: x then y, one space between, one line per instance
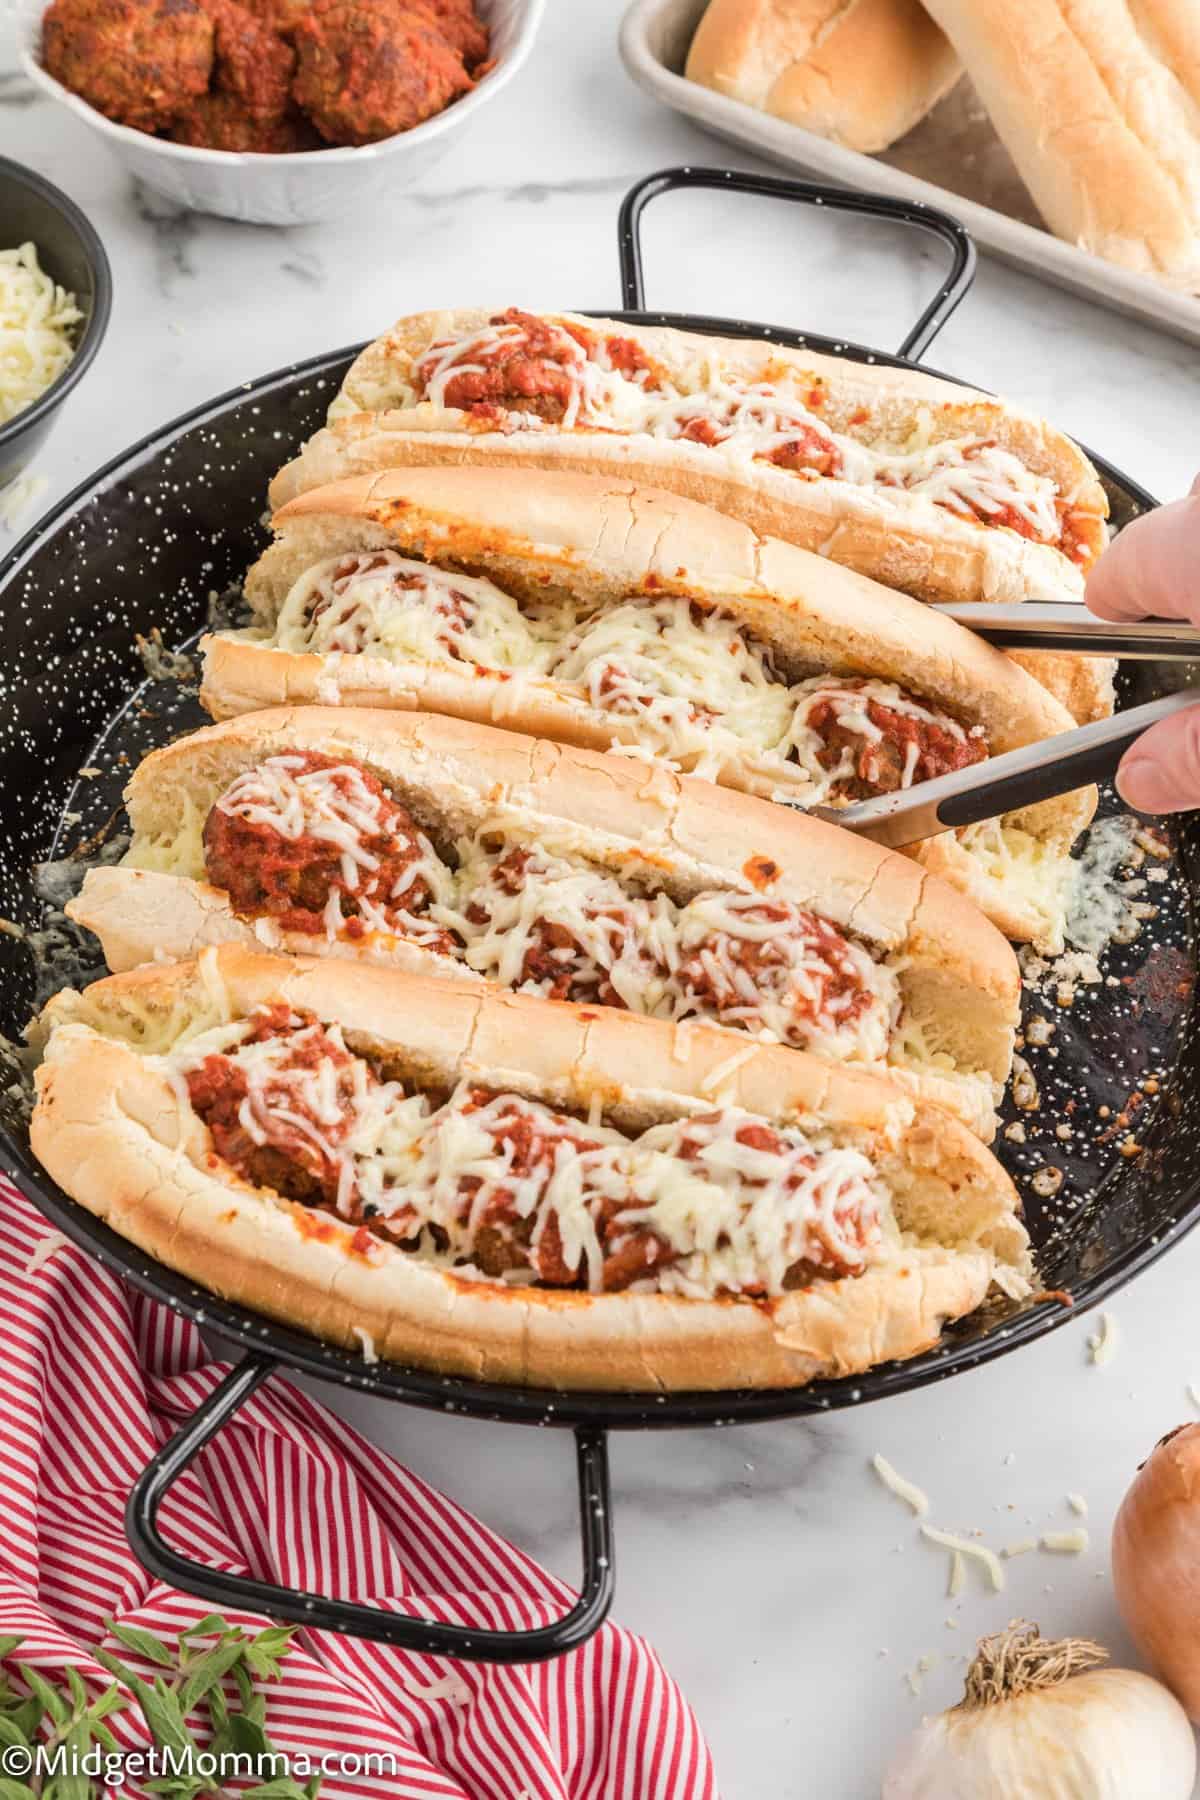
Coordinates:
97 1378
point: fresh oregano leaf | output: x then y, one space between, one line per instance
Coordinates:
142 1643
207 1672
52 1701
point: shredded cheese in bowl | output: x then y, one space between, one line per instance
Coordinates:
37 330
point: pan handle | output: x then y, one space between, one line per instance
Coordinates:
930 219
467 1643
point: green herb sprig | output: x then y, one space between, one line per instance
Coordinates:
59 1711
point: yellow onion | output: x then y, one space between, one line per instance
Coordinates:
1156 1563
1039 1721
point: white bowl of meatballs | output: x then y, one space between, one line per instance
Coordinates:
277 112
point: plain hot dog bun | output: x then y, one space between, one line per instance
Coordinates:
648 827
603 541
1097 103
119 1136
902 539
861 75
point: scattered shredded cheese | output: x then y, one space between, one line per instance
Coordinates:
366 1344
896 1484
450 1687
1021 1548
1078 1504
958 1575
1066 1543
18 497
1103 1344
965 1547
46 1247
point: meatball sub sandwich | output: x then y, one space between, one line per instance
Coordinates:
493 1185
938 490
456 850
594 613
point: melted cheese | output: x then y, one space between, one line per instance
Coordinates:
969 475
379 603
666 958
733 1217
690 684
653 952
1036 871
596 393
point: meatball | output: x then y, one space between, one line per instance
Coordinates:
281 15
276 841
254 65
222 122
365 75
140 62
461 27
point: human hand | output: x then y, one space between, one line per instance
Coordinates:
1152 570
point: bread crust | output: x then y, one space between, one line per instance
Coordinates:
112 1131
607 539
1097 104
958 976
861 74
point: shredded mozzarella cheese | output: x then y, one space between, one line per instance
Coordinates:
904 1490
681 683
1066 1543
965 1547
745 421
733 1215
37 330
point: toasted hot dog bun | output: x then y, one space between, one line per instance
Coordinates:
651 829
903 539
861 75
117 1134
1098 103
603 541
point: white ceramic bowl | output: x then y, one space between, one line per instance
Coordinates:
311 185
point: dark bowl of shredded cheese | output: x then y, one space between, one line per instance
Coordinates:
55 300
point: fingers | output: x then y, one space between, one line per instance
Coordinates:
1161 772
1152 569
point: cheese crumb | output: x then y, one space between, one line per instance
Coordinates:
1066 1543
1078 1504
1103 1344
45 1248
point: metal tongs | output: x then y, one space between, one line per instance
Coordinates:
1056 765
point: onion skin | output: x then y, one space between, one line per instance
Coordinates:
1111 1734
1156 1563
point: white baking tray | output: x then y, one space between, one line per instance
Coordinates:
655 35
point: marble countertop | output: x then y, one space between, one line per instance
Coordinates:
783 1586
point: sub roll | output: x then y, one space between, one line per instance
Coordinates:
861 74
1098 104
593 613
494 1186
452 849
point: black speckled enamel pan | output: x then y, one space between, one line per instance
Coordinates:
142 545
